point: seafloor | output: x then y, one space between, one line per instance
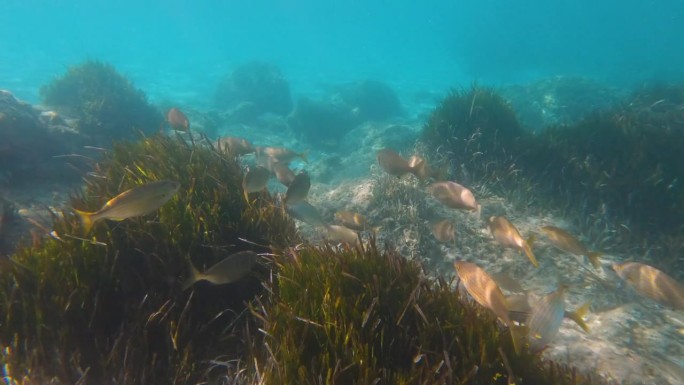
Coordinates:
631 340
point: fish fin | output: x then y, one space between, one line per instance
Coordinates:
518 336
531 239
86 220
530 255
376 229
594 259
578 316
193 277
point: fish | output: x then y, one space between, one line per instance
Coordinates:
234 145
565 241
255 179
546 317
138 201
484 290
283 173
177 120
506 282
520 310
393 163
342 234
419 167
455 196
444 231
281 154
507 235
298 190
306 213
354 221
652 283
228 270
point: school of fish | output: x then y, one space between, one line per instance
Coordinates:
531 325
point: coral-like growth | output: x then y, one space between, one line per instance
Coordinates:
361 316
106 104
107 307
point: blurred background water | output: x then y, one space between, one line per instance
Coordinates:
181 49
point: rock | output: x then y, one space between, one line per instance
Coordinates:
322 123
30 138
327 120
261 84
371 100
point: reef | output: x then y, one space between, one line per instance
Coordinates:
616 173
105 103
256 87
107 307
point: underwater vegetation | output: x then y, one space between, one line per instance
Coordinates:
259 84
559 100
475 130
106 104
625 161
107 306
362 316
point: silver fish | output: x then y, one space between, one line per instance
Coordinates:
228 270
138 201
652 283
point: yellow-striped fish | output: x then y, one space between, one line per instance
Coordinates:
354 221
567 242
342 234
444 231
228 270
652 283
507 235
135 202
455 196
546 317
255 179
298 190
487 293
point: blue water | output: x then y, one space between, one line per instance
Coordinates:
180 49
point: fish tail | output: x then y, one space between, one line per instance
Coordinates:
193 277
594 259
518 336
530 255
86 220
578 316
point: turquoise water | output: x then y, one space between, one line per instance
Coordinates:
181 48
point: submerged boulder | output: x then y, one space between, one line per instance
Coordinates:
327 120
258 83
30 138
